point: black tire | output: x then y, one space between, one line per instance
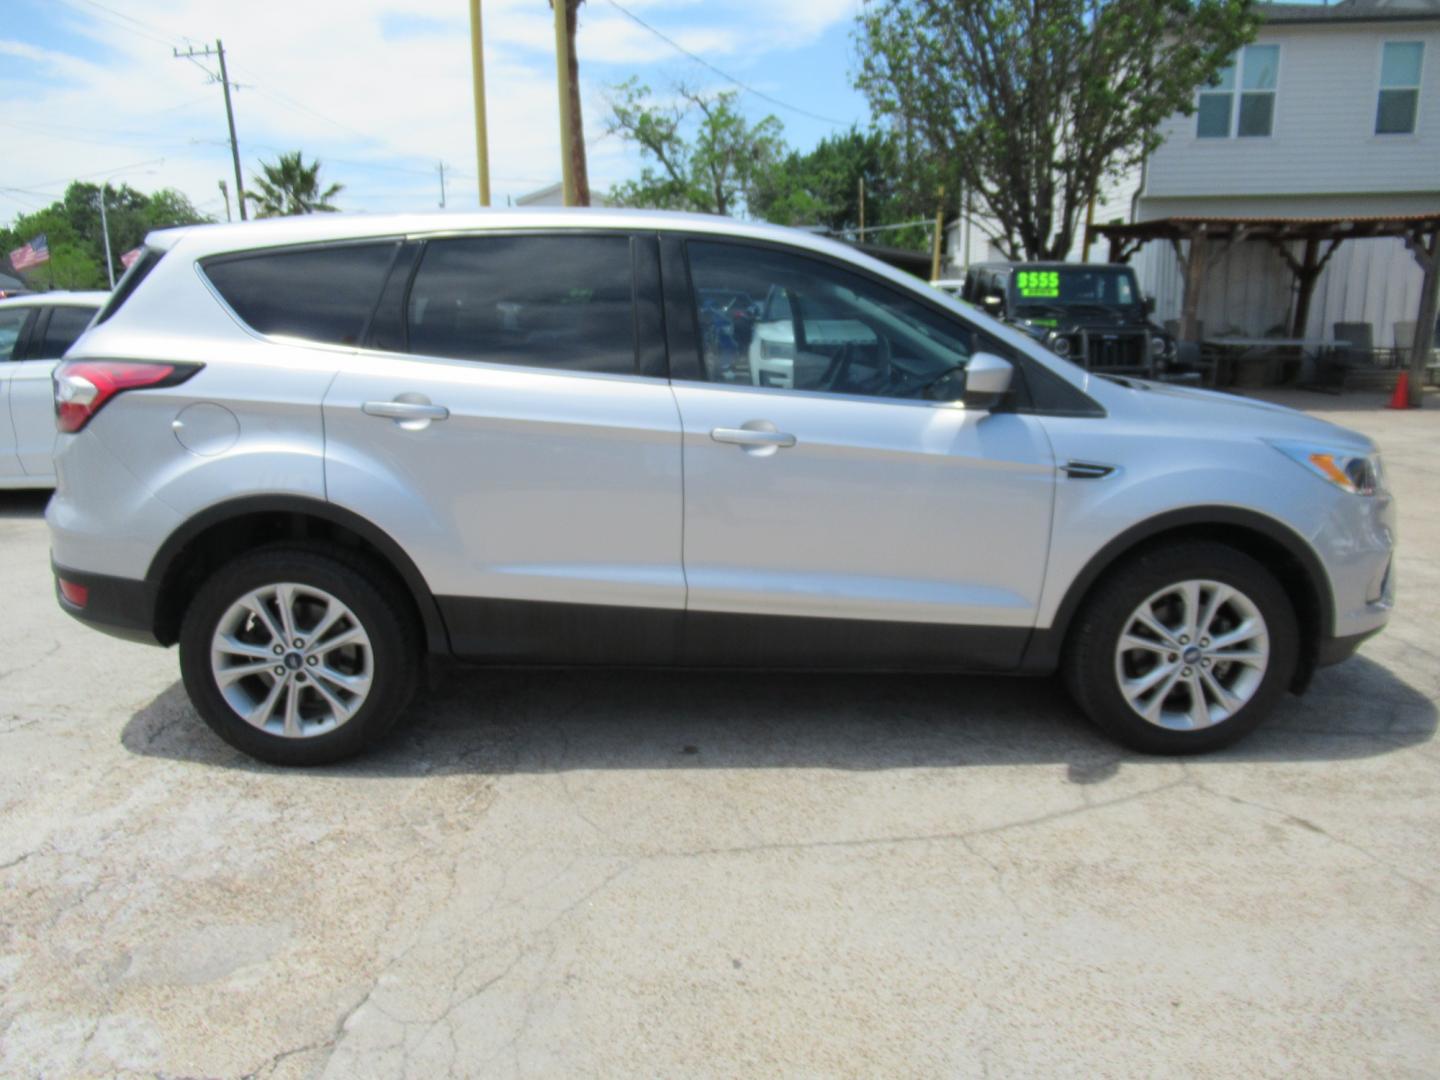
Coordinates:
378 604
1089 665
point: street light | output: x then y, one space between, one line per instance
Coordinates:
104 222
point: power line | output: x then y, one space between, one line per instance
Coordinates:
724 75
150 33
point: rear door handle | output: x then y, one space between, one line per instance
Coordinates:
747 437
405 410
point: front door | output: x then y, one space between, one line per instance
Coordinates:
511 444
840 512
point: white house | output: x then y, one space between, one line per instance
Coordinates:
1332 112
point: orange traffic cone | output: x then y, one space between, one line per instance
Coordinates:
1401 398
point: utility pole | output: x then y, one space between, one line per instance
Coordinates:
939 229
224 81
105 228
441 167
477 62
861 234
562 82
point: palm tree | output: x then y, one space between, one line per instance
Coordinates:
289 186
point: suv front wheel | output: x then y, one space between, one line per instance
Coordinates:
297 657
1184 649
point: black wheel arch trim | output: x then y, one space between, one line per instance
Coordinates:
436 635
1043 652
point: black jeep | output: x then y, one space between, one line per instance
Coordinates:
1091 313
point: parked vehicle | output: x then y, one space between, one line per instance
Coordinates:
35 331
309 450
1091 313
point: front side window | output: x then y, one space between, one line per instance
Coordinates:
1400 65
323 294
770 318
1256 69
12 322
65 327
561 302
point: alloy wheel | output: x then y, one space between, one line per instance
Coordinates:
292 660
1192 655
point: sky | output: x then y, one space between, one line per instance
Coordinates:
379 90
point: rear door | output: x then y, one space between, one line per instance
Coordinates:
513 430
838 514
15 325
32 407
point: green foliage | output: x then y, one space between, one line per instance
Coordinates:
822 187
289 186
700 153
1032 104
77 242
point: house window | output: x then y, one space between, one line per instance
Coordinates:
1400 65
1258 71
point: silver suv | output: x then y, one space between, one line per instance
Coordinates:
310 450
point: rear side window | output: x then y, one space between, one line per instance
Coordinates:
323 294
561 302
66 325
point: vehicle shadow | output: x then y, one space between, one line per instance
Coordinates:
501 722
21 505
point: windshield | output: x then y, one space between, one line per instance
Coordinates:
1079 286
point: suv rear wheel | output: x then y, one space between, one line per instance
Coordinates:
1185 649
299 657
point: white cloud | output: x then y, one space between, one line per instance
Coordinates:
385 85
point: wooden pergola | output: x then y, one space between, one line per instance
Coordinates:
1200 241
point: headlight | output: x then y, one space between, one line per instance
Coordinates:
1358 474
1157 347
1060 346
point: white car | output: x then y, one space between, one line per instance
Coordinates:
35 331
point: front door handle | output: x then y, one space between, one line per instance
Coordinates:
405 410
749 437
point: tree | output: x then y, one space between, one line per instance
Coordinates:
822 187
289 186
1032 104
713 170
77 242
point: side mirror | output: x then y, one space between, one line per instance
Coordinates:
987 381
1149 305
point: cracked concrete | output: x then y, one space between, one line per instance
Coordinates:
608 873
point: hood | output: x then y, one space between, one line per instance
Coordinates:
1170 406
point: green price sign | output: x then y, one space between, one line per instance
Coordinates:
1041 283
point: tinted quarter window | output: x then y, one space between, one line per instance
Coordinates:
323 294
543 301
66 325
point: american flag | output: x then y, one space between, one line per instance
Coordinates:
130 256
32 254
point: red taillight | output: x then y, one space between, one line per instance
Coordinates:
82 387
75 595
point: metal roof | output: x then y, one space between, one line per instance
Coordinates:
1350 11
